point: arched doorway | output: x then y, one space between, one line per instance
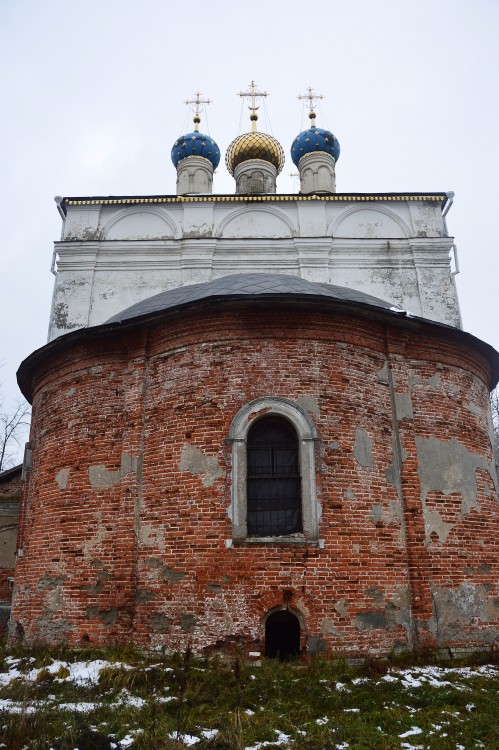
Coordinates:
282 635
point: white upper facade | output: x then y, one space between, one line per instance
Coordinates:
115 252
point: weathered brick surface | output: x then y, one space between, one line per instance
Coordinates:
10 495
122 544
11 483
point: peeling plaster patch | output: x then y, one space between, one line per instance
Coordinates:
100 478
403 406
61 478
395 511
466 601
484 568
388 615
70 392
383 374
107 615
333 446
60 317
54 600
456 608
163 572
341 608
356 548
376 593
129 464
98 537
400 607
376 512
393 470
194 461
160 622
102 575
328 628
447 466
310 404
432 382
50 582
348 494
152 537
143 596
302 608
188 622
434 524
200 232
392 476
363 449
474 409
53 631
374 620
316 645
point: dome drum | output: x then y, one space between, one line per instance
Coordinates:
255 176
317 173
194 175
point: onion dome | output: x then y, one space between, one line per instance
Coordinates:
254 145
195 144
314 139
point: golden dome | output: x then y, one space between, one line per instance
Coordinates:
254 146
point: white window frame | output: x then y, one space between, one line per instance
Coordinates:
245 418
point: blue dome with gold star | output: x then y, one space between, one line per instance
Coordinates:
314 139
195 144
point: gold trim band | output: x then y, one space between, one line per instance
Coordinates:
247 199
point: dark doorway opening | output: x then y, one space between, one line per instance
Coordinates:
282 635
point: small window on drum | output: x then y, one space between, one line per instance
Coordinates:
273 482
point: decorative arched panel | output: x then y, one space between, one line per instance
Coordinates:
140 223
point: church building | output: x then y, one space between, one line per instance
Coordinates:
258 422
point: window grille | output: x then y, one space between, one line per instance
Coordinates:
273 479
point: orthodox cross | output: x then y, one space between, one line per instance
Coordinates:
197 103
253 94
312 98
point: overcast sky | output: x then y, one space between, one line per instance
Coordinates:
93 91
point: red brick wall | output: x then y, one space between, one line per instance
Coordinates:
11 483
10 493
136 549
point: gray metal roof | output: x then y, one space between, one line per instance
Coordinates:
245 285
263 286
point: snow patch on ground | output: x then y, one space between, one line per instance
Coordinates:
411 731
80 673
282 739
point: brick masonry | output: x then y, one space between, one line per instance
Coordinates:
122 539
10 495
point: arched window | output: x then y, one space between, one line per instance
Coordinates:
273 473
273 486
